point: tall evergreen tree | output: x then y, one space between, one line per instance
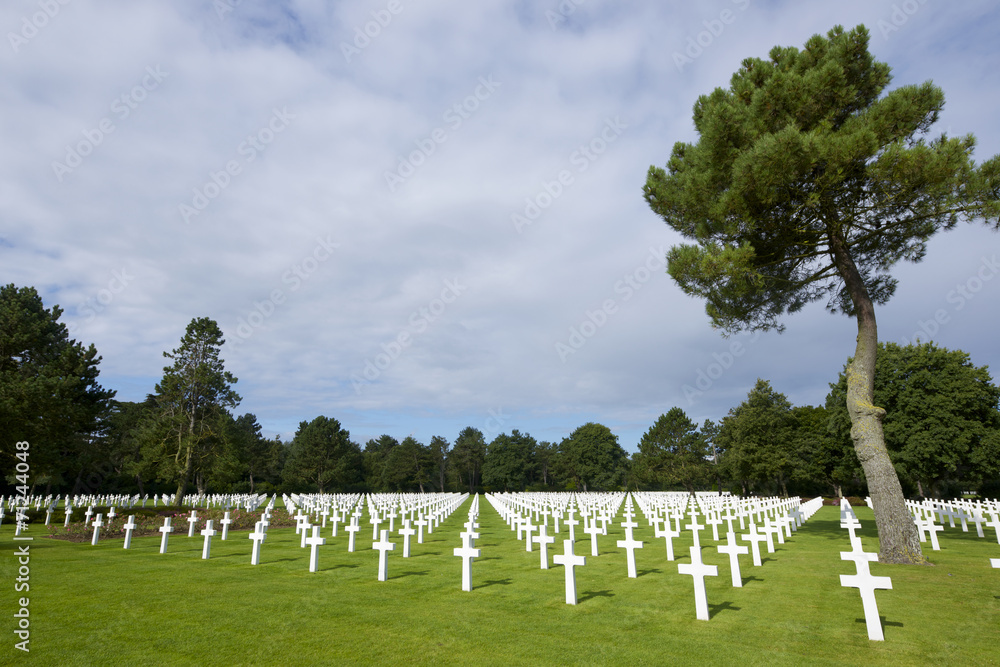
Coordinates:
185 434
809 181
673 453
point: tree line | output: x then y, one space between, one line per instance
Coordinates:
942 430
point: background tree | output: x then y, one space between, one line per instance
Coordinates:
758 438
823 458
941 410
438 450
673 452
468 455
322 455
544 455
409 467
508 461
592 458
810 181
185 432
375 459
49 394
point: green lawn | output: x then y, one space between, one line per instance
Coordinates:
106 606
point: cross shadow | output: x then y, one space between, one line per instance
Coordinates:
643 573
885 623
495 582
714 609
409 574
746 579
589 595
767 560
337 567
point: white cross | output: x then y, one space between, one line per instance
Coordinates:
544 541
668 533
977 518
769 531
353 528
630 544
593 530
315 542
714 521
305 533
467 553
569 562
529 528
927 524
383 546
86 516
208 532
694 527
754 538
257 536
97 529
734 550
420 523
129 527
866 583
994 523
225 525
572 523
192 521
406 531
699 571
166 529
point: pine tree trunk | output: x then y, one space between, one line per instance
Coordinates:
183 481
898 538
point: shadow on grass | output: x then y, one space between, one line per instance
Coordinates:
643 573
342 565
746 579
410 574
589 595
495 582
715 609
885 623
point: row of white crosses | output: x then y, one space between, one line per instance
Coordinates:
965 511
863 579
468 551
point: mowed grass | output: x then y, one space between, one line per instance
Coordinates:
104 605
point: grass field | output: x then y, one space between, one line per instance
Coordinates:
103 605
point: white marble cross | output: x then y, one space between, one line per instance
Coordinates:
714 521
529 528
734 550
754 538
544 541
694 527
192 522
208 532
305 533
166 529
353 529
129 527
569 561
314 542
420 523
668 533
257 536
994 523
407 531
977 518
699 571
467 553
866 583
383 546
98 522
924 525
593 530
86 516
630 544
225 525
572 522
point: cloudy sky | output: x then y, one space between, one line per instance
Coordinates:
420 216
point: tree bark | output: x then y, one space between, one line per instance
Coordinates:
898 538
182 482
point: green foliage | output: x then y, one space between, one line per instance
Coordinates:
823 456
509 462
410 466
49 394
673 452
592 458
758 436
805 165
323 457
942 420
185 435
467 457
